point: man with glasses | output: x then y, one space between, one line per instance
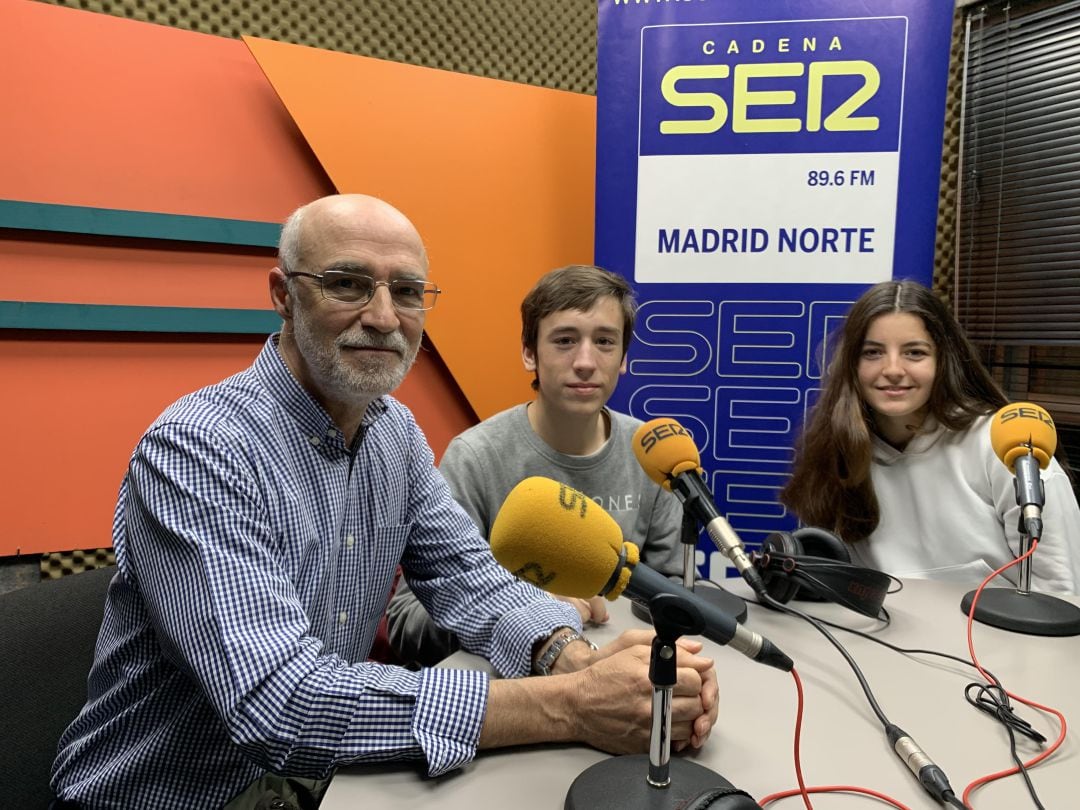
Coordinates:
257 534
576 327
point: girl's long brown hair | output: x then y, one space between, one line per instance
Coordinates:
830 484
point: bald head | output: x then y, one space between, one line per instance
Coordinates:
346 354
344 217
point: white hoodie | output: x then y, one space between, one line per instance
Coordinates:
948 512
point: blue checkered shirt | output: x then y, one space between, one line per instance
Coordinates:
255 552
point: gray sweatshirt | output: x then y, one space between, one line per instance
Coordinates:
485 462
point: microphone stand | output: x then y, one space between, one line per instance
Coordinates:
1021 610
617 783
708 590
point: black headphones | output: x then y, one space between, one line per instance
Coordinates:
814 564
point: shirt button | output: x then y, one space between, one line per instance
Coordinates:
314 440
349 541
342 617
331 433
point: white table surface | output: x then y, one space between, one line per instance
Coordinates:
842 741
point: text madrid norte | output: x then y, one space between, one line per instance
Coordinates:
759 240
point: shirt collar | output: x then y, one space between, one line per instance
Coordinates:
313 419
927 436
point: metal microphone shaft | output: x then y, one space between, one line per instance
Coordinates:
697 500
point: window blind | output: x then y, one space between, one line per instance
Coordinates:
1018 236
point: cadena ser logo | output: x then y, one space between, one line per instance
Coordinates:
772 87
662 431
1025 412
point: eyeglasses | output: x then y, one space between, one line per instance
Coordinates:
411 294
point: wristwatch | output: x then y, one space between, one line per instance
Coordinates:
551 654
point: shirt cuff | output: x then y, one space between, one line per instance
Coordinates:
450 709
518 631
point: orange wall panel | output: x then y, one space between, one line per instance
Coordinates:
497 176
62 268
84 401
111 113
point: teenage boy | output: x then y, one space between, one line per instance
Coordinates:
576 326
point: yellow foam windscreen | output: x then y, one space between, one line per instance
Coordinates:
664 448
557 538
1018 425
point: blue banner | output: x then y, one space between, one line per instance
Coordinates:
759 164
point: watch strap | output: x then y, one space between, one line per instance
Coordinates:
555 649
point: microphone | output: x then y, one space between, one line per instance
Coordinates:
667 453
563 542
1024 438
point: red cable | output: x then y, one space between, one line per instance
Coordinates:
787 794
982 780
803 790
798 738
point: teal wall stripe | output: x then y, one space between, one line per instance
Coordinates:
109 318
138 224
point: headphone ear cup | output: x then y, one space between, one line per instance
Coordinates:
817 542
822 572
825 546
777 583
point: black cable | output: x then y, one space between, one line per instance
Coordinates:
995 703
769 601
929 774
994 696
1020 767
991 698
989 695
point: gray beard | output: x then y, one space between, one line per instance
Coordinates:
343 379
